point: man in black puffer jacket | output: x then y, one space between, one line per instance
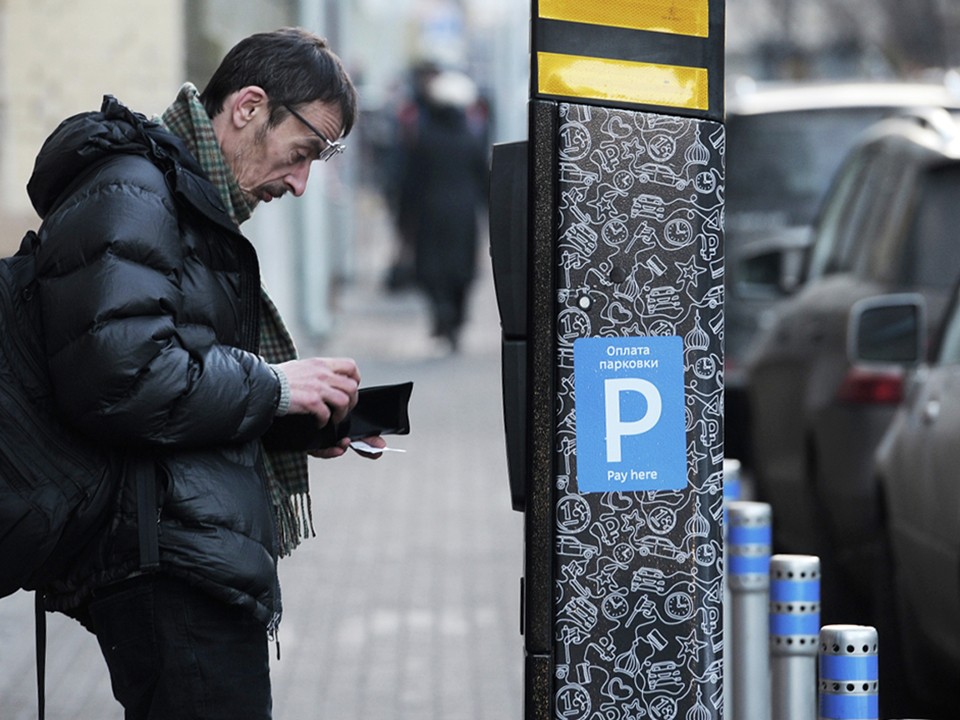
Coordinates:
163 348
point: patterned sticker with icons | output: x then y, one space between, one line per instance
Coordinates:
638 575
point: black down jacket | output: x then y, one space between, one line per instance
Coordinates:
150 297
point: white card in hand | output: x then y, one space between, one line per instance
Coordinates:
361 446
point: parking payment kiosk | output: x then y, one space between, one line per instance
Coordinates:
607 244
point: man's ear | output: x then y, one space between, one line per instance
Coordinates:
247 103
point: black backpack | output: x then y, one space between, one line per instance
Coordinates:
55 486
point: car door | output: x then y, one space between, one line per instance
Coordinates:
923 497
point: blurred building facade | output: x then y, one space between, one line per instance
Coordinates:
58 58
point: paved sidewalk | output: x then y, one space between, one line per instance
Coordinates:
406 605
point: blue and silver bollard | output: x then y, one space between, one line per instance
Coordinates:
794 630
732 491
849 673
748 575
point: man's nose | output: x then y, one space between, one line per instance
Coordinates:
297 180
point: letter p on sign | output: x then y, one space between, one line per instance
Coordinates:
616 426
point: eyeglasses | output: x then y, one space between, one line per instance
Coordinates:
332 148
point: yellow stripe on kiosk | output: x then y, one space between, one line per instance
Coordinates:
680 17
623 81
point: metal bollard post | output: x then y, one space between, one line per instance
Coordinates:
749 579
849 685
731 492
794 626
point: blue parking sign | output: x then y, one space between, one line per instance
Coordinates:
631 418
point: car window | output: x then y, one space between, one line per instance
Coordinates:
835 236
888 192
931 252
950 341
781 163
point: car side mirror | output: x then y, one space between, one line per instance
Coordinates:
775 267
888 329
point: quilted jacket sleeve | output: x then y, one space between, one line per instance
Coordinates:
142 318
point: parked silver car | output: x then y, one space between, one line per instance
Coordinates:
918 472
784 143
889 224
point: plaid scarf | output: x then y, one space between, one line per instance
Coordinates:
286 472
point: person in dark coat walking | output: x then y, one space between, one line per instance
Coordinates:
443 189
164 349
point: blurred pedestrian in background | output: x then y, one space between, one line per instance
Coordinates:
443 186
405 121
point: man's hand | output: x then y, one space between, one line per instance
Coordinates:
341 447
324 387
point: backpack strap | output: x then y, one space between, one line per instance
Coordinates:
41 636
28 246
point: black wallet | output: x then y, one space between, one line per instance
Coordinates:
380 410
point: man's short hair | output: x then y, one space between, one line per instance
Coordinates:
294 67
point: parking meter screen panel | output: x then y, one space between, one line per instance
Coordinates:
639 419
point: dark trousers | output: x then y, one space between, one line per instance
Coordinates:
176 653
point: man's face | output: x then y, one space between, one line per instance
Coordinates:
269 162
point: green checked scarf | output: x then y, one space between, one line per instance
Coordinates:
286 471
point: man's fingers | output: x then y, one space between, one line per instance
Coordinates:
332 452
325 387
343 366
